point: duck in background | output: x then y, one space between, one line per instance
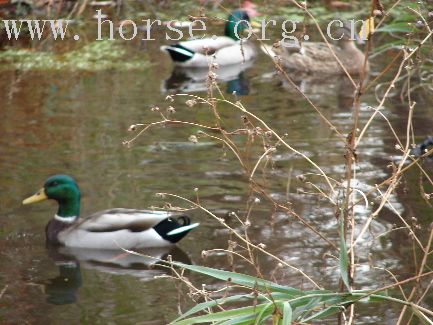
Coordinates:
109 229
223 50
423 148
317 58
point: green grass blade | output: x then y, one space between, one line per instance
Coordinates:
225 315
265 312
377 297
287 313
344 257
310 305
241 279
323 313
236 298
209 304
398 27
242 320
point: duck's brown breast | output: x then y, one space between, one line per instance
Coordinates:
52 230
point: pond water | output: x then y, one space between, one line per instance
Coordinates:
74 122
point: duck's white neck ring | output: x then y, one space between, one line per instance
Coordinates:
70 219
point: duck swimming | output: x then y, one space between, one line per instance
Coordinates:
108 229
223 50
317 58
424 147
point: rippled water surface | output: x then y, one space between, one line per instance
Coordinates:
74 122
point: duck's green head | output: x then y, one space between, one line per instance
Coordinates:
236 24
64 190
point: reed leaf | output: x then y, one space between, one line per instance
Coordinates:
344 257
241 279
287 313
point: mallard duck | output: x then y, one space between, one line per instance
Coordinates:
109 229
223 50
317 58
424 147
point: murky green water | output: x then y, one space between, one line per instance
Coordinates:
74 122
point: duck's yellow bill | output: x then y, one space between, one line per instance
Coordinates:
38 197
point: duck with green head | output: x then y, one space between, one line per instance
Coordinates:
223 50
109 229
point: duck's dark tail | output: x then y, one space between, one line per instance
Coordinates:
178 53
425 146
174 229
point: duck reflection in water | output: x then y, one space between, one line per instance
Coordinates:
318 88
63 289
184 80
239 86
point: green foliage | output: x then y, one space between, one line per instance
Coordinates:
405 28
95 56
396 27
242 279
402 20
344 258
267 300
287 313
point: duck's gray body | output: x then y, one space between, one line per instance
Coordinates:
119 228
201 53
224 50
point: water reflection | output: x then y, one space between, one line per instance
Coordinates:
318 88
239 86
63 288
184 80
